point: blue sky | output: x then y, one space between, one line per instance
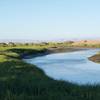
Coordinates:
49 19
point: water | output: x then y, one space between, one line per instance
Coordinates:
73 67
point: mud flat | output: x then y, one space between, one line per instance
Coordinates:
95 58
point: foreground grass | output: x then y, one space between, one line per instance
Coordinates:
22 81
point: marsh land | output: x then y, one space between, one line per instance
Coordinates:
20 80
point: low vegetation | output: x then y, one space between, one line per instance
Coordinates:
22 81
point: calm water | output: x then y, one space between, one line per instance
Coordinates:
73 67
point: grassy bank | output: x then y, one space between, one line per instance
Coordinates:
22 81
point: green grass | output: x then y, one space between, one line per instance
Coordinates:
22 81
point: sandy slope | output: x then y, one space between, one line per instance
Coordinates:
88 42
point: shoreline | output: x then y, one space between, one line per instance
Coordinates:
51 51
95 58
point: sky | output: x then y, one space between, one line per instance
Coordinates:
49 19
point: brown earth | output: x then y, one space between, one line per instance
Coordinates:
88 42
95 58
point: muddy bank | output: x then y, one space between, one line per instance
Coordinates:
95 58
47 51
65 49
